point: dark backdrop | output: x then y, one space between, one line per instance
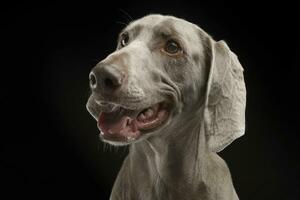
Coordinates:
49 144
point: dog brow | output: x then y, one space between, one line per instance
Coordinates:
165 30
134 31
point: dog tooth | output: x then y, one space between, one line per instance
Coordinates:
130 138
115 107
128 121
161 114
141 116
149 112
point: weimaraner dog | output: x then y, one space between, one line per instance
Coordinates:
176 97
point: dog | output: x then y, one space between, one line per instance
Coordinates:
177 97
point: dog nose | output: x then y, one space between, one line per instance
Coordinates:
105 78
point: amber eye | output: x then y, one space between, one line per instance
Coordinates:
172 47
124 39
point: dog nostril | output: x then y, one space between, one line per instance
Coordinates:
93 81
109 83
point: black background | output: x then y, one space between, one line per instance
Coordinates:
49 144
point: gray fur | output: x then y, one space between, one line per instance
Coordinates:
208 95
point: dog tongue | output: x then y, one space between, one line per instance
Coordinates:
117 124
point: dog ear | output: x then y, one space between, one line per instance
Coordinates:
225 103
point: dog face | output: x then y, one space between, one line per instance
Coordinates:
165 68
137 90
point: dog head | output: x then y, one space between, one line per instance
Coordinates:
165 68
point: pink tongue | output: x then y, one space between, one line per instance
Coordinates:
109 124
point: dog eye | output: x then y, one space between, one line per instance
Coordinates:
172 47
124 39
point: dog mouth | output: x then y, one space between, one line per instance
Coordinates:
125 125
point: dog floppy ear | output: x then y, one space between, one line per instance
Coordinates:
225 103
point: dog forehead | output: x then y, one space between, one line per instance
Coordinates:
147 21
164 24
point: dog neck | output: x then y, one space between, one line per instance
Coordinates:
173 158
